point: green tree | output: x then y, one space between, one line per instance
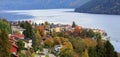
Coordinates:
4 25
78 45
109 50
73 24
28 29
100 48
29 32
90 33
4 44
92 52
66 53
46 24
98 36
20 45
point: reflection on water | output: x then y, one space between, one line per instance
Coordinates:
13 16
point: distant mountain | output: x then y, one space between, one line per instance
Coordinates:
39 4
100 7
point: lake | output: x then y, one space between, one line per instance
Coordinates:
109 23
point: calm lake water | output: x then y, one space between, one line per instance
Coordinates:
109 23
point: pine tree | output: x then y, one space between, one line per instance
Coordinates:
100 48
109 50
92 52
28 29
29 33
73 25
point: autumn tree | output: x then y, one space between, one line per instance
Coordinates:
38 38
66 52
4 44
41 31
58 40
67 49
85 53
77 30
89 42
49 42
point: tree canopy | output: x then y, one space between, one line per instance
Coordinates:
4 44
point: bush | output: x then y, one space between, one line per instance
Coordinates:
46 56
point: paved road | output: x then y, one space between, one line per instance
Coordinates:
45 51
51 55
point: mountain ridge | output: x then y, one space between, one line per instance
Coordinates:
100 7
39 4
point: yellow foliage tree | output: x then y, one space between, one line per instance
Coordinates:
89 42
38 38
85 53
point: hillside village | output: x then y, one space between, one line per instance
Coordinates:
28 39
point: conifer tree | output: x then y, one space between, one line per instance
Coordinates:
109 50
73 24
28 29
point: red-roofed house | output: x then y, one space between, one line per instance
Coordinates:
19 36
14 48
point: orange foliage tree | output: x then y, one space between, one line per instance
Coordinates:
42 31
49 42
58 40
77 30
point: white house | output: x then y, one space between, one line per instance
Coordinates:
17 29
28 43
57 48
